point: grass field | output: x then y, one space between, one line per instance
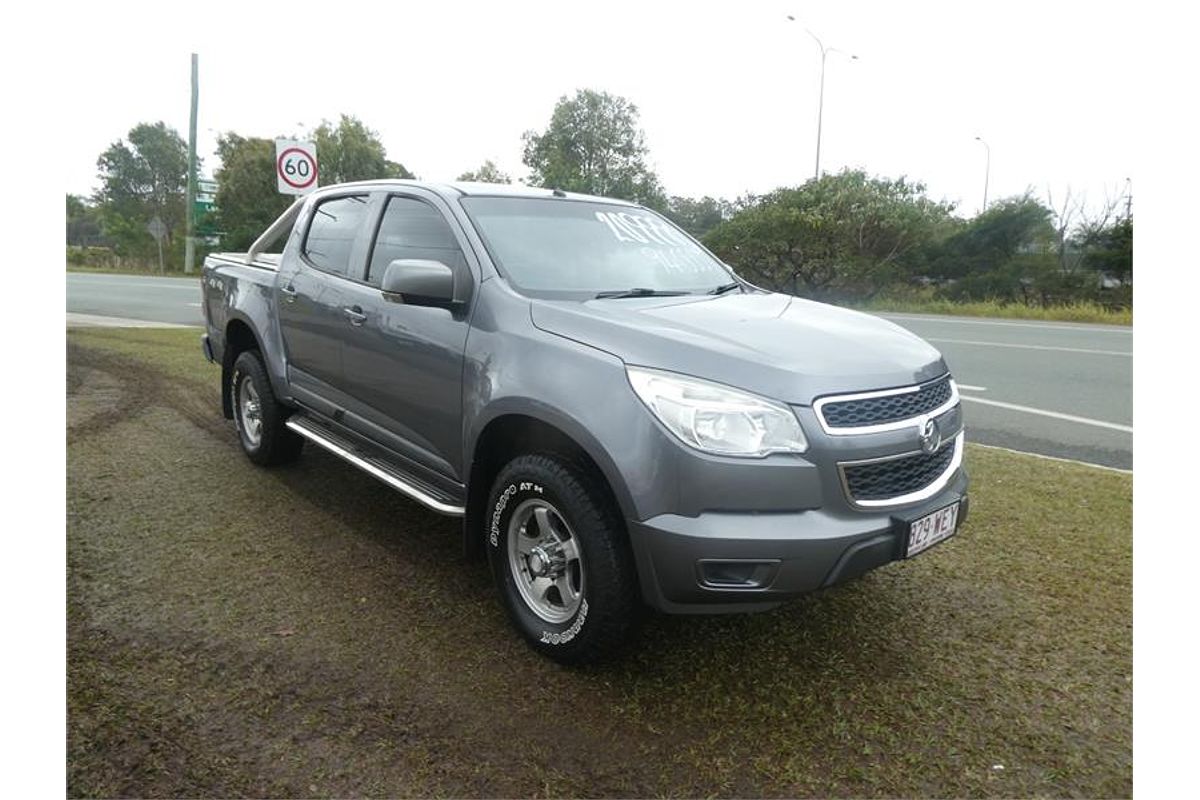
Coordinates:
308 632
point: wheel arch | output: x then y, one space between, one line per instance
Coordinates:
512 429
239 336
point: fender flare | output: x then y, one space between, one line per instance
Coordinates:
570 427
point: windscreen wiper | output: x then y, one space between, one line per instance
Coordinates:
726 287
636 292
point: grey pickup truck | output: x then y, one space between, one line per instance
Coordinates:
619 419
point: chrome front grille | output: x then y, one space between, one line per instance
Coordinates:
886 409
900 479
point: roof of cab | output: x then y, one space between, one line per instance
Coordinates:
470 189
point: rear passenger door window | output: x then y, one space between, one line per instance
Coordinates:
412 228
335 225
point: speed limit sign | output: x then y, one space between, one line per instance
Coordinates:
295 166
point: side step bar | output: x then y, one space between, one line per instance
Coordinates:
374 466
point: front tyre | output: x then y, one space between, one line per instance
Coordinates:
560 558
260 418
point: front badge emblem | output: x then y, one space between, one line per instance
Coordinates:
931 437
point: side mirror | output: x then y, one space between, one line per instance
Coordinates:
419 282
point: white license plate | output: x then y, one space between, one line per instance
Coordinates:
931 529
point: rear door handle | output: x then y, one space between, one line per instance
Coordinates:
289 293
355 315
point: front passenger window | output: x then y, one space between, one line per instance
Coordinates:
411 228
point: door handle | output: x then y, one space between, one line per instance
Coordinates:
355 315
289 293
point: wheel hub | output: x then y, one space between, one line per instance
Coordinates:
250 408
544 559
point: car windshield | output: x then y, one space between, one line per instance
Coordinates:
587 248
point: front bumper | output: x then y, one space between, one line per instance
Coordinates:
742 561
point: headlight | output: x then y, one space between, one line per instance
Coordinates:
715 418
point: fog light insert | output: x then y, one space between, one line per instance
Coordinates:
738 573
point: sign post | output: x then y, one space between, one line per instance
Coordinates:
295 166
158 230
189 254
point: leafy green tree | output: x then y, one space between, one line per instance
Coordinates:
1109 250
83 222
1004 253
843 235
141 177
248 198
350 151
593 145
488 172
698 217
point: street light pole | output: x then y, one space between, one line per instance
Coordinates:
825 51
820 106
987 170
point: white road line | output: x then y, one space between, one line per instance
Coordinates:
1031 347
194 305
1097 328
970 388
1052 458
1099 423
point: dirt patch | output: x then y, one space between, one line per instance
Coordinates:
223 646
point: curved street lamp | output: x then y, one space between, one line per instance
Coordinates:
987 170
825 51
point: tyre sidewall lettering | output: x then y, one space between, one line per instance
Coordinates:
502 504
562 637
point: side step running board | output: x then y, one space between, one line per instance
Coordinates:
376 467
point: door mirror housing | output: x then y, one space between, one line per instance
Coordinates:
419 282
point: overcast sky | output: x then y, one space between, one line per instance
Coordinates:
727 93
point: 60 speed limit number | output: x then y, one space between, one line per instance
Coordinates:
295 166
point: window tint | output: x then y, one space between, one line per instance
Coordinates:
412 229
331 234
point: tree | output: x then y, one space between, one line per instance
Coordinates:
698 217
350 151
487 173
844 234
83 222
248 199
1108 250
1064 218
593 145
1004 253
143 177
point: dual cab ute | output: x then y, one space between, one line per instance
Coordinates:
620 420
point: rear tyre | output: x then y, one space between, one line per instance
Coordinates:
561 560
260 418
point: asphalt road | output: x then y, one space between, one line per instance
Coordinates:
1057 389
173 300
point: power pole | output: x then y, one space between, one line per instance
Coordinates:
189 255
